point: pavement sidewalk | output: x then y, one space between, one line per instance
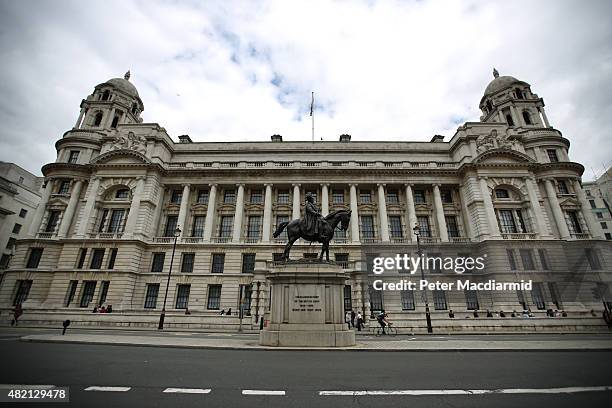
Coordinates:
396 344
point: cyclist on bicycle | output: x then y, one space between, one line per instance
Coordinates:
382 320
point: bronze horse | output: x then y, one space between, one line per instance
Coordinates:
326 232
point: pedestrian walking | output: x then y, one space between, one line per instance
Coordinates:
359 321
347 319
17 314
353 318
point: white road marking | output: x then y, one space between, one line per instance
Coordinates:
188 390
262 392
112 389
562 390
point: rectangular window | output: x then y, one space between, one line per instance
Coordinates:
64 187
227 222
365 197
116 221
214 297
502 193
151 295
158 262
202 197
348 298
256 197
439 298
543 259
552 155
392 197
96 259
407 298
367 226
74 156
342 260
338 196
16 228
52 221
604 225
593 205
592 258
229 196
395 226
103 292
424 228
282 197
521 299
310 255
112 258
218 261
521 221
23 212
511 260
574 222
34 258
280 219
471 299
23 290
198 226
72 287
171 223
434 262
187 262
555 297
248 263
4 261
103 218
176 196
277 256
451 226
538 296
182 296
527 259
506 222
89 287
82 256
254 227
10 243
446 196
608 235
419 197
376 300
562 186
599 215
245 299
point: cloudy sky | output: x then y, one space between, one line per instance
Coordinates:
244 70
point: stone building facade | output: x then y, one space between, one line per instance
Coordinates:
599 194
504 188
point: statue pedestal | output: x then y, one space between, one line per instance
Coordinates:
307 307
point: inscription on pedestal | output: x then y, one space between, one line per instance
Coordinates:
306 304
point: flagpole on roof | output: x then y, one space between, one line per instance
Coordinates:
312 115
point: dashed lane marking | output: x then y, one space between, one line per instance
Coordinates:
110 389
562 390
188 390
262 392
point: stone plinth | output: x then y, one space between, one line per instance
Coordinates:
307 306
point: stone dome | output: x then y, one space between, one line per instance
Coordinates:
499 83
124 85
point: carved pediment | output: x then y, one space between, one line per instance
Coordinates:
122 156
569 201
502 155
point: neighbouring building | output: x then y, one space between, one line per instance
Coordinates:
504 187
20 193
599 194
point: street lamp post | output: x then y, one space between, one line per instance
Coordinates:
177 233
417 232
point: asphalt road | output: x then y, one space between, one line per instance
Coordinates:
301 376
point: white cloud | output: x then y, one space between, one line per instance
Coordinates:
243 70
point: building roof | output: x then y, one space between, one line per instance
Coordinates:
501 82
124 85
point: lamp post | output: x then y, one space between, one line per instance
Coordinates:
417 232
177 233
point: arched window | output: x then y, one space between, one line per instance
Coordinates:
106 95
489 106
509 119
527 118
134 107
519 93
122 194
511 211
98 119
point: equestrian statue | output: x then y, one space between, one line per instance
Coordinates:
313 227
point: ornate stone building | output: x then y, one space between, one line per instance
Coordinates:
503 188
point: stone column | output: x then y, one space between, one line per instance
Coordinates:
382 214
109 119
75 194
88 211
439 209
182 216
210 212
489 210
465 214
535 206
556 209
296 201
518 119
354 214
77 125
324 199
502 119
267 216
411 212
594 226
237 232
546 122
40 210
130 225
158 211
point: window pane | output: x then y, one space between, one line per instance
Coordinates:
198 226
158 262
254 226
218 261
151 296
96 259
187 264
23 290
367 226
439 297
395 224
527 258
283 197
171 223
407 298
451 226
229 197
248 263
424 228
227 222
182 297
419 196
89 287
537 296
506 221
116 221
214 297
471 299
34 258
376 300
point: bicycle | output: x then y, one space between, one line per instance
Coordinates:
390 330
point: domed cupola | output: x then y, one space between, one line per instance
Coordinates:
510 100
113 102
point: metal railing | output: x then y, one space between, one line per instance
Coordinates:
520 235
